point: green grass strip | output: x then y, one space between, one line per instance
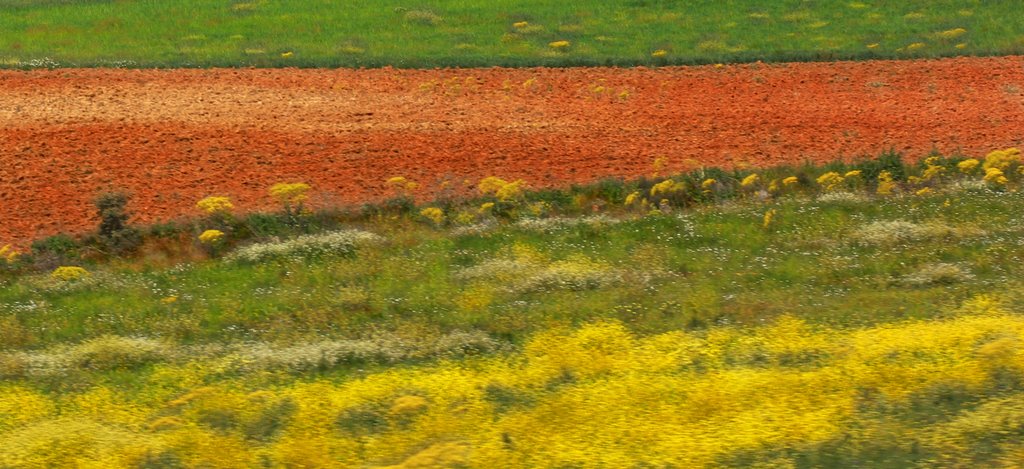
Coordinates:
448 33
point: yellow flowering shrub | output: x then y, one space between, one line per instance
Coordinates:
830 181
401 186
290 193
215 205
750 181
434 214
503 190
1002 159
968 166
886 184
667 187
211 236
769 216
995 176
8 254
69 273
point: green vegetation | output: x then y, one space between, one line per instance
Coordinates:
198 33
794 317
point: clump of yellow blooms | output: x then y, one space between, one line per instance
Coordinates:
8 254
503 190
434 214
659 53
485 208
790 181
750 181
401 185
830 181
211 236
886 184
215 205
559 45
632 198
520 24
667 187
290 193
923 191
995 176
968 166
69 273
769 216
1002 159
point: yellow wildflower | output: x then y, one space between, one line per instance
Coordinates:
995 176
666 187
8 254
768 217
873 45
1002 159
486 207
707 183
885 183
852 174
287 54
750 180
659 53
434 214
924 191
290 193
631 198
500 188
168 300
968 166
789 181
830 180
961 46
69 273
520 24
215 205
916 46
559 45
211 236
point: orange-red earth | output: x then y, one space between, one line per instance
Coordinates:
171 137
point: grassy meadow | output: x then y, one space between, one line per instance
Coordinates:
198 33
848 315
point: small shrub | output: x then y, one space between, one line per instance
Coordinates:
114 232
69 273
938 274
111 352
338 243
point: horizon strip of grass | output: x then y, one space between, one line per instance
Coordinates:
203 33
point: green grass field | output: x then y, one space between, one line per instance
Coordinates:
193 33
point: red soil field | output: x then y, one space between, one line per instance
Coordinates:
171 137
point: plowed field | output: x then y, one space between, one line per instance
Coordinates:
171 137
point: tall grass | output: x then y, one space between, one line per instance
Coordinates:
192 33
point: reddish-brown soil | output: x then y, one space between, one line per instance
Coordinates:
172 137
